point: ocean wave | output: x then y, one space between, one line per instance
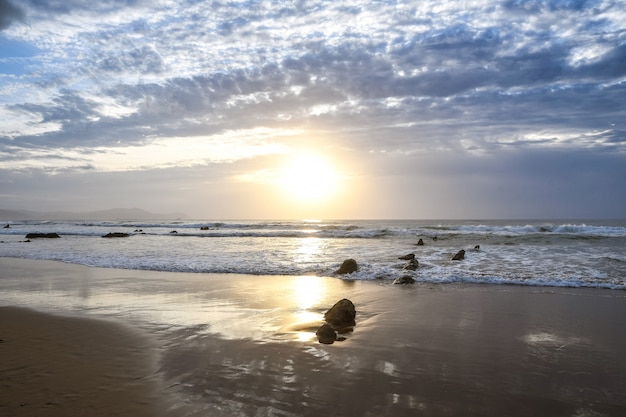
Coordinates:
546 228
541 253
390 274
333 229
385 271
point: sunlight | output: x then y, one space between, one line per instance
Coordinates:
308 177
307 291
308 250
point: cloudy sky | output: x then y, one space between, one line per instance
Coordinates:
315 109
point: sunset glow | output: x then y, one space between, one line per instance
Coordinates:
314 109
309 177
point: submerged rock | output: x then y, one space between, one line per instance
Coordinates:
116 234
341 315
407 257
347 267
404 280
42 235
459 255
412 265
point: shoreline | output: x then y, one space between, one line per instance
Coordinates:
236 345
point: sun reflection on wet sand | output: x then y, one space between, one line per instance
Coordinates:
283 308
307 294
308 291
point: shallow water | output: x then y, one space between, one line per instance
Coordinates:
541 253
235 345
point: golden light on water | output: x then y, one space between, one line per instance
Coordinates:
309 249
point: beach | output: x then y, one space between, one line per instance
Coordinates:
66 366
79 340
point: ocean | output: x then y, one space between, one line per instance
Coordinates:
589 253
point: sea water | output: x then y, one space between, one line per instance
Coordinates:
540 253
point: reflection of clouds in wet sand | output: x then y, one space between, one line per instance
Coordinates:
553 348
551 340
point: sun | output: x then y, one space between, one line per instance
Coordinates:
308 178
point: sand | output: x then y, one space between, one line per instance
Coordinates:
166 344
63 366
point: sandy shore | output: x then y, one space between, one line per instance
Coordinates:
213 345
62 366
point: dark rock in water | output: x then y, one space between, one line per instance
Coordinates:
116 234
435 238
404 280
459 255
477 247
412 265
204 228
42 235
407 257
173 231
326 334
8 226
347 267
420 242
341 315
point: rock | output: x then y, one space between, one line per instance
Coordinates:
420 242
435 238
42 235
341 315
347 267
204 228
8 226
326 334
459 255
406 279
407 257
412 265
116 234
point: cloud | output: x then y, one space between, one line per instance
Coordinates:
9 14
483 82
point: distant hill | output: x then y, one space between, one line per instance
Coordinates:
110 214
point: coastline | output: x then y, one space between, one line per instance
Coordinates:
236 345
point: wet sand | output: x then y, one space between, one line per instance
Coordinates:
211 345
63 366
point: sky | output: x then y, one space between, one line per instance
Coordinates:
337 109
